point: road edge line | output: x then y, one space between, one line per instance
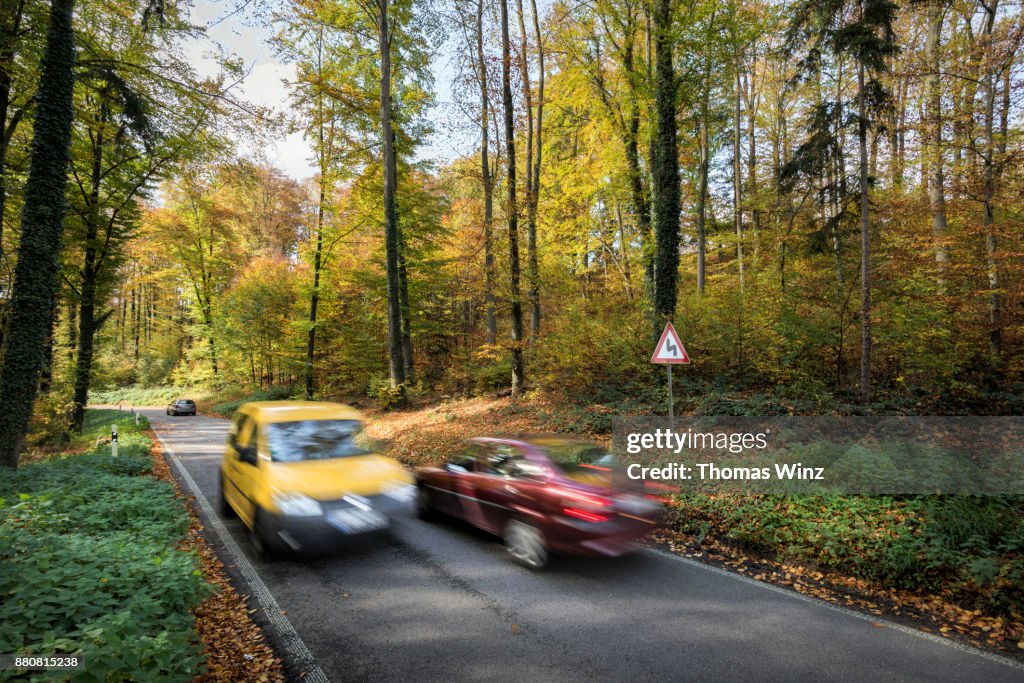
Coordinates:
956 645
291 641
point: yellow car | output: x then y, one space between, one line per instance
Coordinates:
302 475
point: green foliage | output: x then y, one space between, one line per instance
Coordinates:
756 405
965 546
581 362
89 565
142 395
276 393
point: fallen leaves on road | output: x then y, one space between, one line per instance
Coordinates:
234 646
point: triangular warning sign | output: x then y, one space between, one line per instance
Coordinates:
669 348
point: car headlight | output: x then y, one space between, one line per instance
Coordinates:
297 505
399 491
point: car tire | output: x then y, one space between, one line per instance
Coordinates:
424 508
526 544
265 546
225 507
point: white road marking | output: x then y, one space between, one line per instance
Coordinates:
948 642
291 643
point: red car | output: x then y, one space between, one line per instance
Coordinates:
541 494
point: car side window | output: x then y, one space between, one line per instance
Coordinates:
467 458
244 433
502 459
521 468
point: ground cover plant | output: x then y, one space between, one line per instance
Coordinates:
89 561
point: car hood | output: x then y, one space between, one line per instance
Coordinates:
365 475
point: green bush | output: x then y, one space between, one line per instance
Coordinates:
89 564
967 547
275 393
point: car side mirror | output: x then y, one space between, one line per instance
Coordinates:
248 454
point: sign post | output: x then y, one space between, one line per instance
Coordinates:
669 351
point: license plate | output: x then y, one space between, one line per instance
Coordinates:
357 521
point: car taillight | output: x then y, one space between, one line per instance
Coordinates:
585 515
585 506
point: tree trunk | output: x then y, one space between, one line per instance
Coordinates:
865 242
518 373
995 304
90 277
530 188
135 322
638 195
36 275
934 147
403 301
392 243
314 297
704 169
751 99
8 124
324 157
487 180
737 178
534 275
665 170
702 199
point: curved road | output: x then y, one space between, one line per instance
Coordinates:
441 602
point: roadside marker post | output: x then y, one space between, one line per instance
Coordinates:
113 440
668 352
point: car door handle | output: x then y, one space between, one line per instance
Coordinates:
511 489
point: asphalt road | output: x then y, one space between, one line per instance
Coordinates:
441 602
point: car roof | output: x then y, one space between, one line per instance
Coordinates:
538 440
293 411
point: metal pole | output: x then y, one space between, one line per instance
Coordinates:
671 417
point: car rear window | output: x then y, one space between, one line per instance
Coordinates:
186 402
316 440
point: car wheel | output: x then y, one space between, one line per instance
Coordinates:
225 507
526 544
265 547
424 508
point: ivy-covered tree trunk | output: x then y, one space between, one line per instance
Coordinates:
36 276
665 170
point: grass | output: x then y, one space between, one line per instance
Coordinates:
89 563
225 405
145 396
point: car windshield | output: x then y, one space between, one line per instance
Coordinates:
316 440
185 403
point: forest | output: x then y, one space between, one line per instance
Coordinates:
824 197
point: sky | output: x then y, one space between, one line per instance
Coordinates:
266 84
